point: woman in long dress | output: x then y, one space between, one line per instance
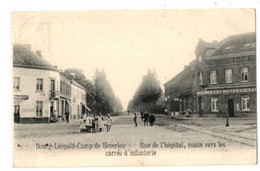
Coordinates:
100 123
108 123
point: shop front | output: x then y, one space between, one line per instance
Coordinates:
232 102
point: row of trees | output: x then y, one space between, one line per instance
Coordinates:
147 94
100 95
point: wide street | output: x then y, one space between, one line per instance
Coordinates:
194 134
169 142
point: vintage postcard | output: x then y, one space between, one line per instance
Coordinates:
134 88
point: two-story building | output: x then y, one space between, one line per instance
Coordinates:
78 100
222 79
35 86
65 96
178 92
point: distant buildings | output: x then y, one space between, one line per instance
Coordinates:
221 81
42 93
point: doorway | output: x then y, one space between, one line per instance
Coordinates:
16 113
230 107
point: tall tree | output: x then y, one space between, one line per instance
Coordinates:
105 100
147 94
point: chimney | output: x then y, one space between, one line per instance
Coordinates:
27 46
39 53
186 66
55 66
215 41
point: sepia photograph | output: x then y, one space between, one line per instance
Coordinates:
134 87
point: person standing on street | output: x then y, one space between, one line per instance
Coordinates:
100 123
146 118
108 123
152 119
142 116
135 119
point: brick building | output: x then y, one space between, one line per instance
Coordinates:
221 81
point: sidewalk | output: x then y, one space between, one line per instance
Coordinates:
181 117
228 133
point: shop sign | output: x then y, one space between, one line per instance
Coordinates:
21 97
228 60
227 91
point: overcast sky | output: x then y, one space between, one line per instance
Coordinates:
126 43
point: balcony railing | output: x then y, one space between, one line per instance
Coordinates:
54 94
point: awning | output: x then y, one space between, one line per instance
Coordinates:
86 107
69 102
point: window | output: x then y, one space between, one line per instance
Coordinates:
245 103
200 58
38 108
39 84
214 102
16 83
194 81
244 74
228 75
201 78
74 99
213 77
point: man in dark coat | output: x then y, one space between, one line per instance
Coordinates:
146 118
135 119
142 116
152 119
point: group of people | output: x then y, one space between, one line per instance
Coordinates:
146 118
95 124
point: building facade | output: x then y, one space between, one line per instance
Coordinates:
65 96
35 87
78 100
178 92
222 79
41 92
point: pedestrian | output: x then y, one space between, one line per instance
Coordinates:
108 123
67 116
88 122
135 119
166 112
95 124
146 118
142 116
100 123
82 126
152 119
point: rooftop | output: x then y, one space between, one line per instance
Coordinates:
25 58
236 44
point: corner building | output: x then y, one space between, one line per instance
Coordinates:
35 87
223 78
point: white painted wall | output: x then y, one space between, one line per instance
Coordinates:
76 99
28 79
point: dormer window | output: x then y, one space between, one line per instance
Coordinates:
228 48
247 45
